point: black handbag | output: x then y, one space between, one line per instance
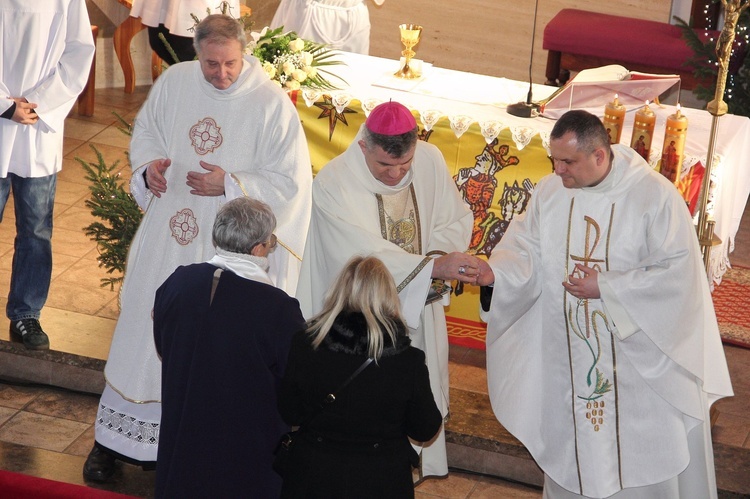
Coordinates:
283 452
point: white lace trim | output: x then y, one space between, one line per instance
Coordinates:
126 426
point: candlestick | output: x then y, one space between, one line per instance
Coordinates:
643 131
614 116
673 150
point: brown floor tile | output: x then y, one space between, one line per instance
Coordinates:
75 218
70 144
61 263
110 154
731 430
18 396
83 444
454 486
113 136
76 128
44 432
489 488
72 171
71 242
77 297
469 378
6 413
63 404
70 193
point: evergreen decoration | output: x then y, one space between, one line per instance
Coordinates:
706 67
117 209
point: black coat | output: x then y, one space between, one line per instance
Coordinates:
221 369
356 446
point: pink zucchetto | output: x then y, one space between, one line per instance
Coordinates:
390 118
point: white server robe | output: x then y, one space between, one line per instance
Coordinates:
612 393
341 24
346 222
47 48
176 16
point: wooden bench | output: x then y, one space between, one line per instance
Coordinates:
577 39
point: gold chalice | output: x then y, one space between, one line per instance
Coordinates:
410 34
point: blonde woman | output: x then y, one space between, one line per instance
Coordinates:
358 444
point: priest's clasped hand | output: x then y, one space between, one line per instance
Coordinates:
456 266
207 184
155 180
583 283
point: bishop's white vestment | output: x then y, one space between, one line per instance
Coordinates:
253 132
341 24
608 394
47 49
351 216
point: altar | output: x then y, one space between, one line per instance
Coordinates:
496 159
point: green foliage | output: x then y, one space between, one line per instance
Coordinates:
704 60
117 209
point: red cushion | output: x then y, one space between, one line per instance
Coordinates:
619 38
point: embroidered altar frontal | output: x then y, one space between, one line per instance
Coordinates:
495 179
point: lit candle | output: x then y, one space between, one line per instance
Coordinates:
674 145
643 131
614 116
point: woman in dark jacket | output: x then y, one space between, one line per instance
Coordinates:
358 445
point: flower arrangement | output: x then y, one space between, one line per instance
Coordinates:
291 61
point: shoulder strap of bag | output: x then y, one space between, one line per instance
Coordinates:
331 397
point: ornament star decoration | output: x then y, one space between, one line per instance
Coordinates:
329 111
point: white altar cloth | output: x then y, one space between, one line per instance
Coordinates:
478 98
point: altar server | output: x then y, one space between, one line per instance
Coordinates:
342 24
603 350
211 130
47 48
390 195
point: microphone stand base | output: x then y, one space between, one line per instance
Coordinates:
523 110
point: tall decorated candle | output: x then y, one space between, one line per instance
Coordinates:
643 131
674 145
614 117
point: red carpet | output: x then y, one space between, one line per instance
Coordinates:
731 301
18 486
732 304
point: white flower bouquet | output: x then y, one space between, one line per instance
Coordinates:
292 62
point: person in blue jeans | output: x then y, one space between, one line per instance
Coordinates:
38 87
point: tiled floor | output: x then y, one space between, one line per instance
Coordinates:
47 432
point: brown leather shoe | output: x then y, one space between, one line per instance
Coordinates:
99 466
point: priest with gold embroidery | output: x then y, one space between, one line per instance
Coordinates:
390 195
603 351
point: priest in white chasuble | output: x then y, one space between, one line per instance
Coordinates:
603 350
210 131
390 195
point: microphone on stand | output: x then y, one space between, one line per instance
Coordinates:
527 109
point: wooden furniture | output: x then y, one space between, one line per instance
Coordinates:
86 98
578 39
124 34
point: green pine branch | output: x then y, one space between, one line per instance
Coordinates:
705 63
119 214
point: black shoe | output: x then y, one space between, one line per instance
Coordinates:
99 466
30 333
